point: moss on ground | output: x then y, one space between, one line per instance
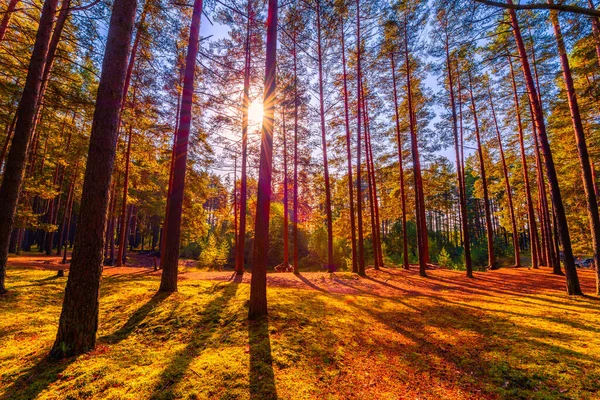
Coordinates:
410 340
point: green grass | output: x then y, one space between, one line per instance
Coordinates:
197 343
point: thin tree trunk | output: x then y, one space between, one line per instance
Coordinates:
582 150
122 236
349 153
533 236
361 246
595 30
9 130
78 322
258 285
486 200
459 169
405 263
511 207
370 185
168 281
330 265
241 241
295 219
573 287
26 113
286 209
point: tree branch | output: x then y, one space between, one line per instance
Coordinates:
558 7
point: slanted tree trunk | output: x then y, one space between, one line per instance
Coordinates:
405 263
349 152
573 287
511 208
26 113
330 265
582 150
533 236
258 285
370 185
486 201
361 244
241 241
168 282
79 317
12 5
595 30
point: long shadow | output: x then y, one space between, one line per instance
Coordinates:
310 284
262 378
36 379
136 318
175 371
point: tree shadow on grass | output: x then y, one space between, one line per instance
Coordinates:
180 363
262 377
135 319
36 379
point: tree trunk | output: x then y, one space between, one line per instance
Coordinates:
79 317
286 209
349 153
405 263
486 201
241 241
533 236
295 218
123 223
511 208
573 287
168 282
12 5
26 113
582 150
459 169
258 285
330 266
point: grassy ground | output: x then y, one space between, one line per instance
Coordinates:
506 334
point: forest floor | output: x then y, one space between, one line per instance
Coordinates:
511 333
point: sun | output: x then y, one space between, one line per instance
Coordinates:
255 113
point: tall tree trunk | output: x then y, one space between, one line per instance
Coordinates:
405 263
12 5
349 152
123 223
511 208
370 184
295 218
422 240
582 150
459 170
286 209
330 265
79 317
573 287
533 236
258 285
26 112
595 30
9 130
486 200
361 245
168 282
241 241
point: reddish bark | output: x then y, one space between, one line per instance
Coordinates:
170 257
361 247
286 209
258 285
78 322
12 5
121 253
573 286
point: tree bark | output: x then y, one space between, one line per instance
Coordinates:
79 317
168 282
582 150
26 113
121 253
361 246
349 153
511 208
258 285
573 286
330 266
286 209
405 263
12 5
